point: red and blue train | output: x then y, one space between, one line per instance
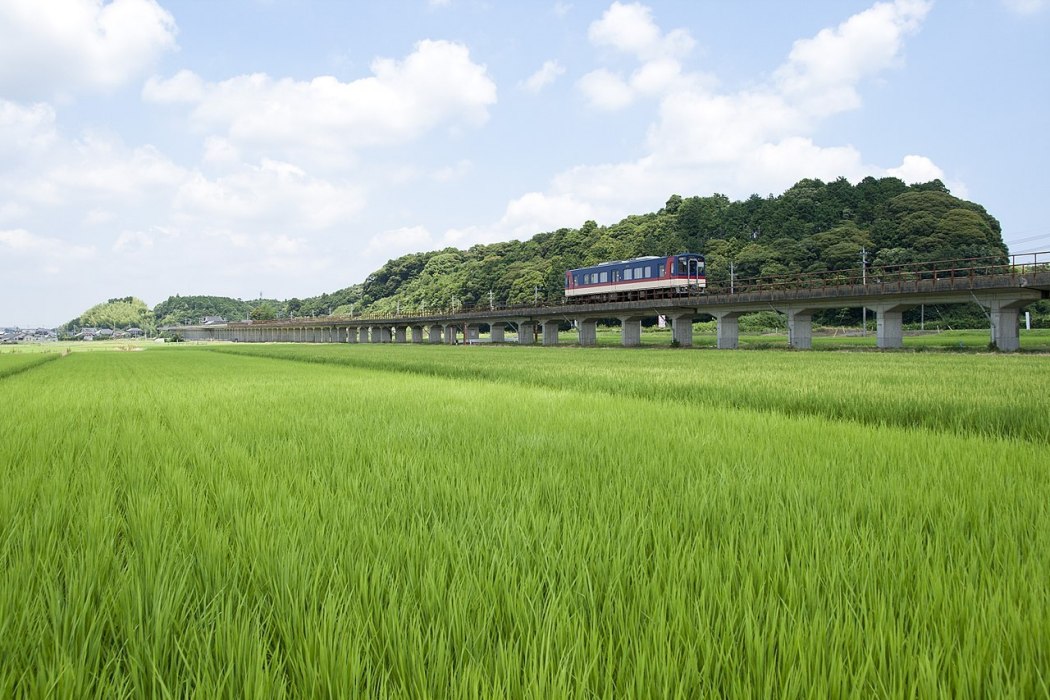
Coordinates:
652 277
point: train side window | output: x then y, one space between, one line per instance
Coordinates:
647 272
628 274
604 277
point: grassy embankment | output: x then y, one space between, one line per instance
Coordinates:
524 522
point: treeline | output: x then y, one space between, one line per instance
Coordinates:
812 227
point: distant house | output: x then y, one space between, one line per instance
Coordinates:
86 334
135 332
212 320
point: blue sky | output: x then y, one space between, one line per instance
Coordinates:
285 148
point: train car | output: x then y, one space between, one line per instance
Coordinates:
651 277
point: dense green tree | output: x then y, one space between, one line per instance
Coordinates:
265 311
117 314
813 226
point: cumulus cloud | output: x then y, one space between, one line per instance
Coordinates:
547 74
759 139
60 47
524 217
822 73
630 29
23 242
399 241
324 118
273 193
26 129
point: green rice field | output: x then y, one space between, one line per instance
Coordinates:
434 521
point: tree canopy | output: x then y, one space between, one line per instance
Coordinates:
814 226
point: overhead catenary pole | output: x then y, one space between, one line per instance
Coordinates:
864 282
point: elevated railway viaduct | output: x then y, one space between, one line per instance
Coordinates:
1001 290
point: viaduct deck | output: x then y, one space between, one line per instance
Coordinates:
1002 290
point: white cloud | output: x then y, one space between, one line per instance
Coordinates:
1026 8
452 172
917 169
399 241
324 119
100 169
630 29
184 86
23 242
59 47
547 74
25 130
822 73
524 217
606 90
759 139
132 242
273 195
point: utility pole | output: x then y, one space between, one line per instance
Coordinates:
536 296
864 282
732 277
492 304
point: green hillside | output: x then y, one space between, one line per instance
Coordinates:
814 226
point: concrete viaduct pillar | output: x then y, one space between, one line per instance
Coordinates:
728 329
587 331
1003 311
400 334
472 333
362 334
450 333
417 334
526 332
351 335
434 334
682 329
631 331
800 328
889 327
549 331
497 331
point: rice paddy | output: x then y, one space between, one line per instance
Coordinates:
396 521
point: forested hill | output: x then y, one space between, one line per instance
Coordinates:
813 226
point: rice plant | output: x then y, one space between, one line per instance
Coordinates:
186 522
